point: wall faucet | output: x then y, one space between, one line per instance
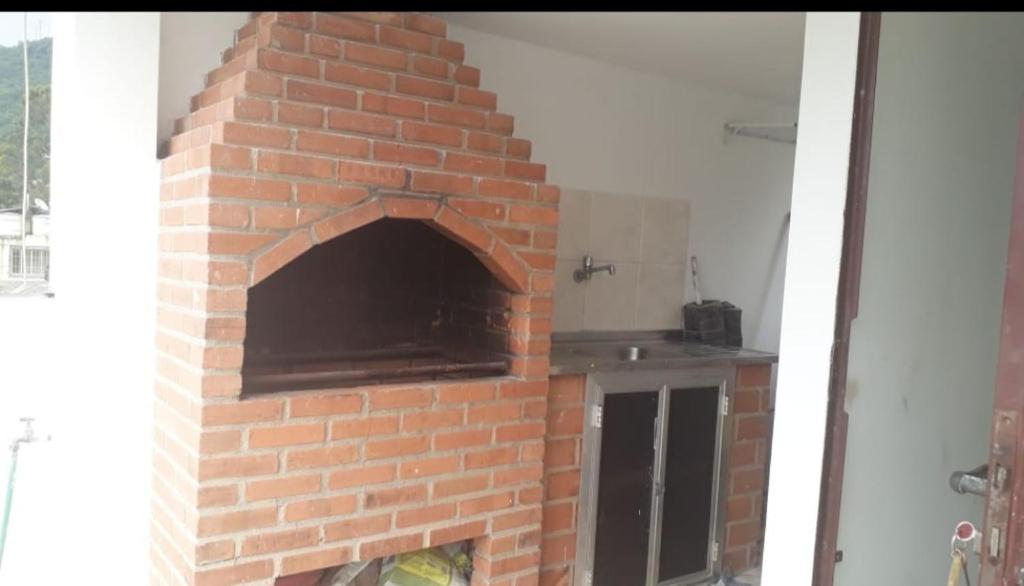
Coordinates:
584 274
28 436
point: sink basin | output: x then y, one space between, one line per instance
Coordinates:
633 353
582 352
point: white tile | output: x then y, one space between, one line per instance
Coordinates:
615 226
666 226
611 299
659 299
573 224
569 298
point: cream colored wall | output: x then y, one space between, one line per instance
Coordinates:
191 45
609 129
645 238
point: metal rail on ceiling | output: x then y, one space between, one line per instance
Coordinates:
770 131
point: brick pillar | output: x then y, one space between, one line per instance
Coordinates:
748 459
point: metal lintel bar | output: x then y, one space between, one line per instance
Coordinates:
256 383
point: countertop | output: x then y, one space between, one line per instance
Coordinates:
582 352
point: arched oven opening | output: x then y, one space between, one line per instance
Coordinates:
394 301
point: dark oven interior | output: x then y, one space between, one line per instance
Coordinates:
393 301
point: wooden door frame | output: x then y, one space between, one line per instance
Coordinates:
1002 554
826 554
1004 507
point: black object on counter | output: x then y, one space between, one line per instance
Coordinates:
712 322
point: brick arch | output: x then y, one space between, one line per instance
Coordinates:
494 254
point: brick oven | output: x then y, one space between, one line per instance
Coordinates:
354 310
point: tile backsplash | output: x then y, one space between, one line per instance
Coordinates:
645 238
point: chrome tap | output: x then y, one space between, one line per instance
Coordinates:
584 274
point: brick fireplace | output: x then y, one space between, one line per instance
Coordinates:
354 310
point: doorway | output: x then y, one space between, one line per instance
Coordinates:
924 346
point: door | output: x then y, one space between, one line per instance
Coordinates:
651 498
1002 557
914 65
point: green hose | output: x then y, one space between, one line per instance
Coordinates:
10 497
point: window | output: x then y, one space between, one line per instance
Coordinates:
37 260
26 50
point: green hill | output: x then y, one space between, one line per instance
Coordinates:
12 114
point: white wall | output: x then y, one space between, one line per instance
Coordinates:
924 345
808 311
82 362
191 44
607 128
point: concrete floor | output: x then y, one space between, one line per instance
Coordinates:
750 577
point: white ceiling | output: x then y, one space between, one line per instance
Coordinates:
753 53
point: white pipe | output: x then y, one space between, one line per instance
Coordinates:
24 166
696 280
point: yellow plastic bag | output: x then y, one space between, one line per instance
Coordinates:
426 567
956 568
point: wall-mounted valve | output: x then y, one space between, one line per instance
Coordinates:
584 274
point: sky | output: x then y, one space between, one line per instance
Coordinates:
12 27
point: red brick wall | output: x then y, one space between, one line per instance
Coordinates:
318 479
745 473
563 450
315 125
748 462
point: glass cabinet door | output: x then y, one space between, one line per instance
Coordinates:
688 500
651 501
625 480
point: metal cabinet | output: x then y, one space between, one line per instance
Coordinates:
651 496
